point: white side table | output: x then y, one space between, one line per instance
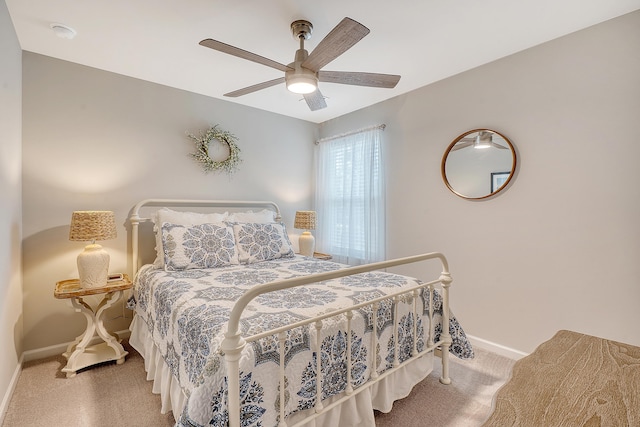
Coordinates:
79 354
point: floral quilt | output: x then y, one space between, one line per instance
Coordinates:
186 314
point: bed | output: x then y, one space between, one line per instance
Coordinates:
236 329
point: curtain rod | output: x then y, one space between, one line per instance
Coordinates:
353 132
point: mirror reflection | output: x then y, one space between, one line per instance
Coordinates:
478 164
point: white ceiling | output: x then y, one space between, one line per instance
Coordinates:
422 40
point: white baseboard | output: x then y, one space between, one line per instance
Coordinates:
12 386
54 350
496 348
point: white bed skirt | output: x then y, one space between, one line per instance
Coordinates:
356 412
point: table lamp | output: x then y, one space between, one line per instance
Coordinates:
93 262
306 220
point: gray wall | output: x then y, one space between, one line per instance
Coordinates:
10 213
560 247
97 140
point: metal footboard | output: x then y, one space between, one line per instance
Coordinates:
234 342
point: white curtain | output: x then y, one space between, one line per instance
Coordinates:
350 197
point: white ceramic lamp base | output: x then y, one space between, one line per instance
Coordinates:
93 266
307 244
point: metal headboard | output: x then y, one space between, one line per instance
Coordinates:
136 219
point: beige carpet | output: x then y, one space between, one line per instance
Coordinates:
113 395
572 380
107 395
466 402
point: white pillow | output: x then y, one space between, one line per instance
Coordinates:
165 215
198 246
261 217
188 218
261 242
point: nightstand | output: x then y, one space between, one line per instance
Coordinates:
79 354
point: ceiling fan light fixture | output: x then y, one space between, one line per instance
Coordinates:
301 83
482 143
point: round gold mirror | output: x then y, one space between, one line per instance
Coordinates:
478 164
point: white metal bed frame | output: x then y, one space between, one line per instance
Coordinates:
234 342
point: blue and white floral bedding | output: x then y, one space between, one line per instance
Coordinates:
186 314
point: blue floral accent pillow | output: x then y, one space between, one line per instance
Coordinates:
262 242
198 246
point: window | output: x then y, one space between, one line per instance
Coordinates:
350 197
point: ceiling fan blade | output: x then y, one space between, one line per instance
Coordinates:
347 33
459 146
255 88
315 100
359 79
495 145
240 53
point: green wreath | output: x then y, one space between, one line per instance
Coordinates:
201 155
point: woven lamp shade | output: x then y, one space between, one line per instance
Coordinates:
92 225
305 220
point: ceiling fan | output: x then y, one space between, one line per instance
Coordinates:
303 74
483 139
